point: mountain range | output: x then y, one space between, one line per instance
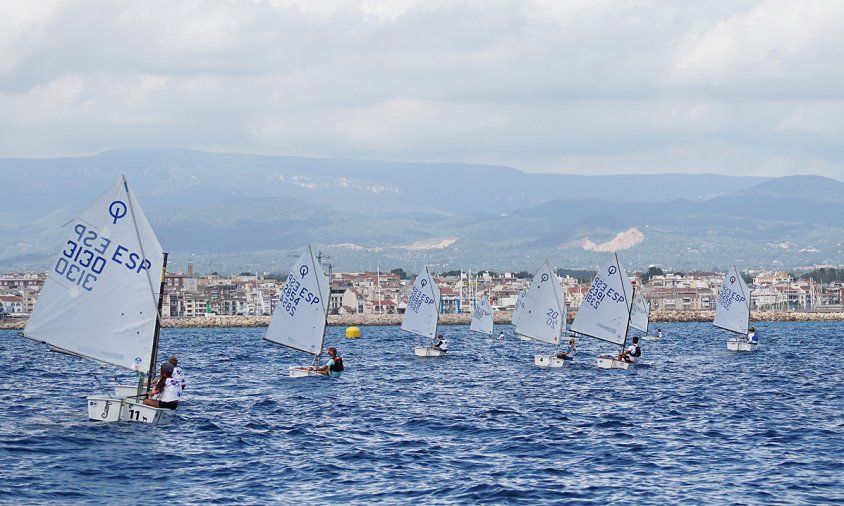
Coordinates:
230 212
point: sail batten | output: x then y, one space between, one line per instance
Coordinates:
99 300
543 316
299 319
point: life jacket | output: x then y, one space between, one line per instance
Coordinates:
337 366
637 352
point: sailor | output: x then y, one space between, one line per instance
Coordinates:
441 344
334 367
167 389
752 338
659 333
501 335
178 373
568 355
632 353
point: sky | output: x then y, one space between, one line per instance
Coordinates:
739 87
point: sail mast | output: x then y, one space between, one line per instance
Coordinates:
747 296
561 304
318 356
436 306
629 312
157 333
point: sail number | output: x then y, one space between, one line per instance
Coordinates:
553 316
294 293
87 253
599 290
727 296
417 298
639 309
481 312
80 265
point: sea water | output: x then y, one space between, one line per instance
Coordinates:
693 423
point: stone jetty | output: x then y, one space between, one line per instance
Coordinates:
500 317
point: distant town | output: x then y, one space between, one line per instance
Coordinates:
188 295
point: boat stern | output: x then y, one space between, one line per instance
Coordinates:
134 410
426 351
104 409
739 345
548 361
610 362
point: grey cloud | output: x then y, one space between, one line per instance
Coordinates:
543 86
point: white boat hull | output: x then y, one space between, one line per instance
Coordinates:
609 362
426 351
104 409
734 345
302 372
549 361
651 338
134 410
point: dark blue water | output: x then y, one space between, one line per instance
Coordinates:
695 424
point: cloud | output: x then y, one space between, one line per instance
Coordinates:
737 87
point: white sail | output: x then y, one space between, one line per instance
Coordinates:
732 307
420 316
517 310
100 300
639 312
298 321
482 318
605 311
544 314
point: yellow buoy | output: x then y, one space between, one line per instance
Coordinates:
352 332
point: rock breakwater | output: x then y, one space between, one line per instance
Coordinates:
501 317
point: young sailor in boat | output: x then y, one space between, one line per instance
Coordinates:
659 333
441 344
501 335
334 366
167 389
178 373
568 355
752 338
632 353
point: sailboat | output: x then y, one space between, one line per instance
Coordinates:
640 313
732 310
543 317
421 314
102 299
301 313
605 312
482 317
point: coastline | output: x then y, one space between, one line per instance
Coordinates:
501 317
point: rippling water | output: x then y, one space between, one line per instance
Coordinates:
693 424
